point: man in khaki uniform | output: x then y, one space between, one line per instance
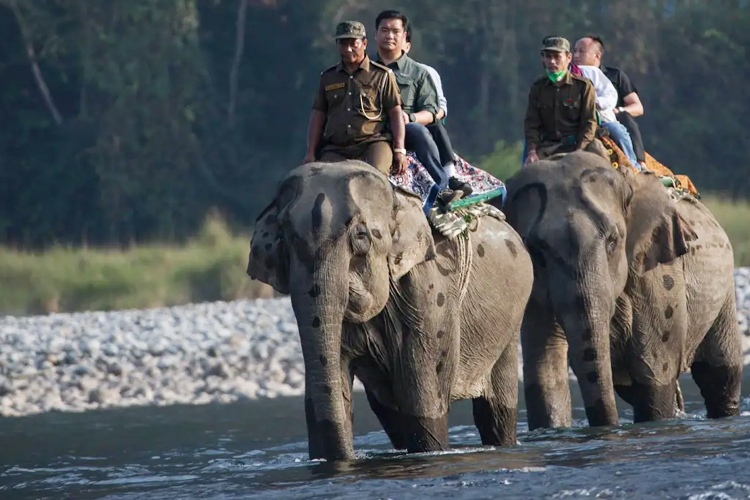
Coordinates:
356 101
561 114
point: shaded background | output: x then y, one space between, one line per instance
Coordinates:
159 111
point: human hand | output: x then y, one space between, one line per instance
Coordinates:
406 116
309 158
531 157
400 163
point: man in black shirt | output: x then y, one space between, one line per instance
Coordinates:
588 51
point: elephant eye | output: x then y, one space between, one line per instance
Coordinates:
612 241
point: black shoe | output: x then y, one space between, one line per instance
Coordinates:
448 196
458 185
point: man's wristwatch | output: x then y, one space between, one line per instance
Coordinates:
412 117
399 150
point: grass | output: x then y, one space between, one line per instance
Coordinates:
734 217
211 267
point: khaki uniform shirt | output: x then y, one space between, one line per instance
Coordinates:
561 112
357 105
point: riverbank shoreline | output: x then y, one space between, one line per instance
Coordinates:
193 354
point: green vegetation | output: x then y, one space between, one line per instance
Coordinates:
209 267
734 217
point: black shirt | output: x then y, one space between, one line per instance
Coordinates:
621 82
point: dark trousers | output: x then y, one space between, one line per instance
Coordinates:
635 134
419 140
443 142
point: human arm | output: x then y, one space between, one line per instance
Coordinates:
398 129
633 105
316 125
426 103
587 130
438 83
532 127
314 134
391 102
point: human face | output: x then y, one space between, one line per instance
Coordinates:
352 50
586 53
555 61
391 35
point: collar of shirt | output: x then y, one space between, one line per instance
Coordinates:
403 63
364 65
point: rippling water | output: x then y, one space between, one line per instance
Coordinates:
259 450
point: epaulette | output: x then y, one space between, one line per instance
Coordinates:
328 69
381 66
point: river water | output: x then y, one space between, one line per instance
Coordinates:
258 449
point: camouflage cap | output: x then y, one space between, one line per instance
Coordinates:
350 29
556 43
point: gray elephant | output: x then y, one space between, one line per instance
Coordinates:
631 289
420 319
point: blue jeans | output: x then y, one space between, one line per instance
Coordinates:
419 140
621 136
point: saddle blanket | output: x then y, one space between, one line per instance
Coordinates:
417 180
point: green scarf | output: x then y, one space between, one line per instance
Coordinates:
556 77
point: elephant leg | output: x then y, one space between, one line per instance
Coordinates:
390 419
496 413
717 368
545 368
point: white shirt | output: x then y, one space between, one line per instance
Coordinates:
606 93
442 101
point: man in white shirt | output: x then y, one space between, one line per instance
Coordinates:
606 101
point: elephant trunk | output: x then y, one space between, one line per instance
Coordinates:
584 310
319 308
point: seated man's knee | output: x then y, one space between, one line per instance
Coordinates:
379 155
417 131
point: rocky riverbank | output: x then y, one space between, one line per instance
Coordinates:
195 354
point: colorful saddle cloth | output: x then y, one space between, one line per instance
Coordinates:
461 214
417 180
680 186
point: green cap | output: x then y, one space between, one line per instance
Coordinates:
556 43
350 29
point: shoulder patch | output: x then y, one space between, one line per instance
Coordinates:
380 66
328 70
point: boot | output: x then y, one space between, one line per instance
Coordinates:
448 196
457 185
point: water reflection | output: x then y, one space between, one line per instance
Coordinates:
260 448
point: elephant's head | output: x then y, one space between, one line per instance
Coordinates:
588 227
333 238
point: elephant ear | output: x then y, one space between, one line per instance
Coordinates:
657 233
269 257
411 235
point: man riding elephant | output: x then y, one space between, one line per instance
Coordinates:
561 113
350 108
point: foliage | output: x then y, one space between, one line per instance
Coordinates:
145 146
62 279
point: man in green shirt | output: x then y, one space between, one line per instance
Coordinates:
419 99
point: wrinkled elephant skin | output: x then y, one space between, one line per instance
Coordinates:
631 289
421 320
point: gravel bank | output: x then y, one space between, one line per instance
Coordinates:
195 354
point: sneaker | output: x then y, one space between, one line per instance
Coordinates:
448 196
457 185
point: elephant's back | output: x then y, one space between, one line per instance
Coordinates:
706 238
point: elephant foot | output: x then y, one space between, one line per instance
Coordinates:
720 388
496 423
423 434
391 420
650 403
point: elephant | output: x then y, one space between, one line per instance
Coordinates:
631 289
421 320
